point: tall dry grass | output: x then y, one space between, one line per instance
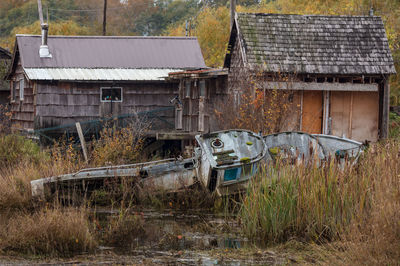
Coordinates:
357 207
26 226
373 237
47 232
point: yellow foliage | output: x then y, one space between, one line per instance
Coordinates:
67 27
211 27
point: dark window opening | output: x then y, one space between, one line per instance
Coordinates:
111 94
330 79
320 80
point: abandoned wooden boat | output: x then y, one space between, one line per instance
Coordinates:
171 175
223 163
301 146
226 160
294 146
340 148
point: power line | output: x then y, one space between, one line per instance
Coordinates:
93 9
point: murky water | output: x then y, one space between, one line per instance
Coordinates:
174 238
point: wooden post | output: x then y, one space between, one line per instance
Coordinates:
105 18
201 115
385 109
178 118
82 140
301 110
351 116
325 120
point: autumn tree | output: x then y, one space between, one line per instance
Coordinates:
57 28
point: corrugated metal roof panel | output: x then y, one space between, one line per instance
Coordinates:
97 74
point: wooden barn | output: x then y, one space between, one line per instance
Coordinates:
5 58
339 68
58 80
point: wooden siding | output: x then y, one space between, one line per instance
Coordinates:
199 111
64 103
22 110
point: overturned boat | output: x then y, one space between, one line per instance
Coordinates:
223 163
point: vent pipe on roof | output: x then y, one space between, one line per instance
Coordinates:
371 12
44 48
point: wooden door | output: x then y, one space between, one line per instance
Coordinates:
312 112
355 115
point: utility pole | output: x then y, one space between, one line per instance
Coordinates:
105 18
233 10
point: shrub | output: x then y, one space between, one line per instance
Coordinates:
119 146
14 149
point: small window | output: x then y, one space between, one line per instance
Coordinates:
21 89
202 90
108 94
187 88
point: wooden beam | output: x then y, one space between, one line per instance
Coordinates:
326 86
385 109
351 116
178 118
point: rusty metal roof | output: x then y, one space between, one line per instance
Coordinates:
96 74
312 44
112 52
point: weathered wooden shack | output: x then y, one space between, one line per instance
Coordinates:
339 68
65 79
199 93
5 57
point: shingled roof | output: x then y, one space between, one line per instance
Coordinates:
312 44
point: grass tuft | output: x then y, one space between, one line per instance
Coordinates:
48 232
